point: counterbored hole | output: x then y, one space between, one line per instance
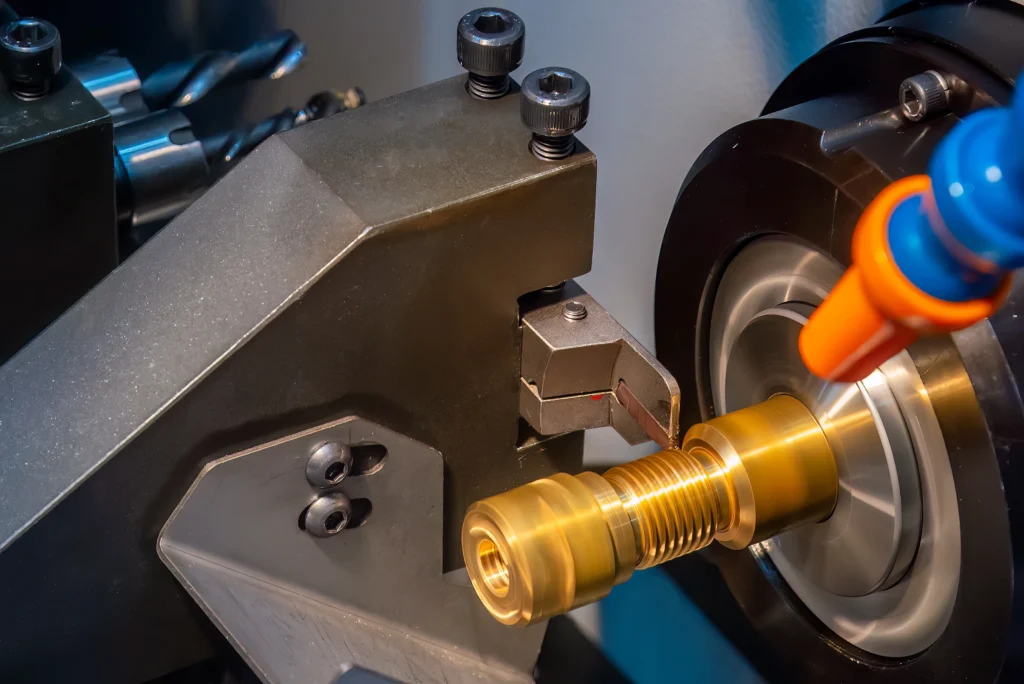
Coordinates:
493 567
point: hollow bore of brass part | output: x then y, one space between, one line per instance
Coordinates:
552 545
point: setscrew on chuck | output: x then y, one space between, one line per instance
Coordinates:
30 56
490 43
554 103
924 96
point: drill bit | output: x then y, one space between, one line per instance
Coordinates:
181 83
223 150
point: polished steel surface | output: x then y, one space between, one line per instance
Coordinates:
113 81
909 616
304 608
870 540
164 165
561 542
571 363
558 415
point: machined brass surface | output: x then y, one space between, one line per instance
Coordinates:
564 541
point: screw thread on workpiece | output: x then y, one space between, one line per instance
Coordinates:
552 148
487 87
672 503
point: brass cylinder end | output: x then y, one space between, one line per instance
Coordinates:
775 469
547 547
561 542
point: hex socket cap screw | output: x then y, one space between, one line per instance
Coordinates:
30 56
490 43
328 465
328 515
924 96
554 103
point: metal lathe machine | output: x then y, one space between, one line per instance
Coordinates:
326 423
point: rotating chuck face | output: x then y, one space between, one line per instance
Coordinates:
864 572
912 577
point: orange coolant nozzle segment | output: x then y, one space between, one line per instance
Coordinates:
874 311
848 336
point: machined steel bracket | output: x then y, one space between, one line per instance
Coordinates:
305 609
296 290
581 369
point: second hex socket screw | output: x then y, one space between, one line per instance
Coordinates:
489 44
924 96
554 103
329 464
30 56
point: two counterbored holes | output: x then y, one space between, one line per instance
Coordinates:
328 465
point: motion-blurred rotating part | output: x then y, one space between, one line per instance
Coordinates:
863 572
911 578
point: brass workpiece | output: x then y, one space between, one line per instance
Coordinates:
563 541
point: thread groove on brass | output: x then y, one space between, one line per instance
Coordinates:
671 498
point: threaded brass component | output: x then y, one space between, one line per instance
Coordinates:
561 542
541 549
673 501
